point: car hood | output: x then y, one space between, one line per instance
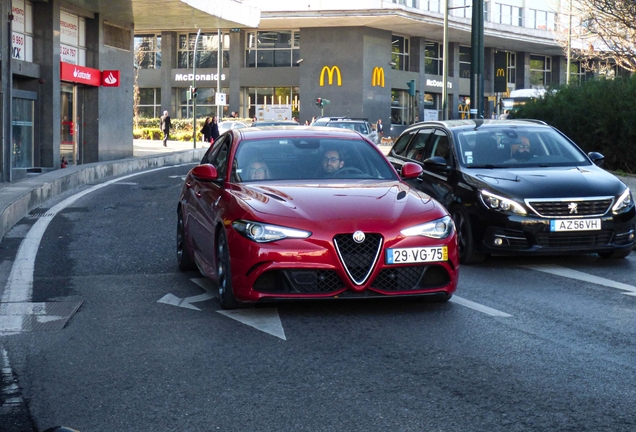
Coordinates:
364 202
550 182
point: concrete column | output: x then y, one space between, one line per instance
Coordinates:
46 53
6 78
168 61
237 60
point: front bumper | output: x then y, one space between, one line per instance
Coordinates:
532 235
312 268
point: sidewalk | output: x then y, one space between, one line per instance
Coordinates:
19 198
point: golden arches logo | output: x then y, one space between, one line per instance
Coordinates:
501 72
464 109
330 72
377 78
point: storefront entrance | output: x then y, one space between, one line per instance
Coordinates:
71 113
22 132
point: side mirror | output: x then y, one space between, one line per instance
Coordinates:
411 170
205 172
596 158
436 163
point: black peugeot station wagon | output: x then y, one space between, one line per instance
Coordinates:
519 187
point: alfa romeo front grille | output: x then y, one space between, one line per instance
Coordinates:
358 259
571 207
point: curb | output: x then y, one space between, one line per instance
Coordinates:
20 198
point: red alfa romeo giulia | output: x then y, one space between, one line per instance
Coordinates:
311 212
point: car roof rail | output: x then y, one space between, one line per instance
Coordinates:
534 121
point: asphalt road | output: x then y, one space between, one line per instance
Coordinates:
525 345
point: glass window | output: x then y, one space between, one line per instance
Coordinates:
540 71
542 20
512 67
148 103
148 51
465 55
433 60
205 101
207 50
400 53
258 97
272 49
400 107
463 8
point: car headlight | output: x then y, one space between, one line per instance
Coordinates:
262 233
499 203
439 229
624 202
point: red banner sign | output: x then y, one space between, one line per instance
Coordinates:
110 78
80 74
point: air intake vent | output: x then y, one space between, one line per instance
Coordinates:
117 37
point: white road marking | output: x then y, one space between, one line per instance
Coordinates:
585 277
186 302
479 307
19 286
265 320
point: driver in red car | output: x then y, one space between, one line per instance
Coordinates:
331 162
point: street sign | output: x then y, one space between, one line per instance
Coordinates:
220 99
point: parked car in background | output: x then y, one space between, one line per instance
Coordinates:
230 124
360 125
300 213
261 123
519 187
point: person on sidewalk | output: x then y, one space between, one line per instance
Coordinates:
165 127
214 129
206 130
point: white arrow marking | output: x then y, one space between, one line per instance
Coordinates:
585 277
265 320
186 302
478 307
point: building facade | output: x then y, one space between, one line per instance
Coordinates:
67 78
376 59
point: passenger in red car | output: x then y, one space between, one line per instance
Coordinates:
331 162
257 171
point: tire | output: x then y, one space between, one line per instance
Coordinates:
184 256
224 273
617 254
465 240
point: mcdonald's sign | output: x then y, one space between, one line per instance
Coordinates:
330 72
464 110
501 72
378 77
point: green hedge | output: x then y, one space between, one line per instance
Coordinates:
149 128
598 115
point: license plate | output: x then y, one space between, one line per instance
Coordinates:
575 225
416 255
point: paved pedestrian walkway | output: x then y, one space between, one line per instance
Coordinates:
19 198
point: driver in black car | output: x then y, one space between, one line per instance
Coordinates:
331 162
521 151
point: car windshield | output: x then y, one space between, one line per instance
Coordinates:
517 147
309 158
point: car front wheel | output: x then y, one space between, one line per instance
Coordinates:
465 240
184 259
224 273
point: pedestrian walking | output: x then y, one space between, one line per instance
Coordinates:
165 127
214 129
206 131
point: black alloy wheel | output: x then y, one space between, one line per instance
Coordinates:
466 243
184 258
224 273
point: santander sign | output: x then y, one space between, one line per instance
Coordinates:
88 76
79 74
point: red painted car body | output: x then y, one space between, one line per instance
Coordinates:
304 232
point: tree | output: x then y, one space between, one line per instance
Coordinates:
605 33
